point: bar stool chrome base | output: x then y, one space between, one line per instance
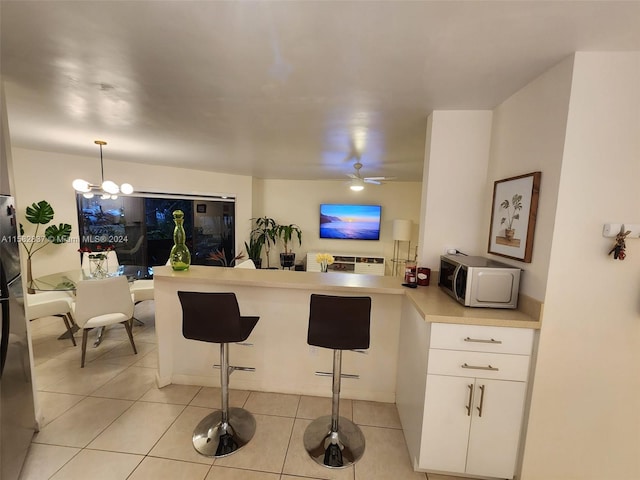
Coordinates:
339 449
214 438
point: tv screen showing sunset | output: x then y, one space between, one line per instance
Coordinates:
353 222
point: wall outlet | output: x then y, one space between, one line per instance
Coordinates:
313 350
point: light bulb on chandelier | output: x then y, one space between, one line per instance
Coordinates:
107 189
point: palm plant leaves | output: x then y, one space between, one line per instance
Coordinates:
40 212
58 233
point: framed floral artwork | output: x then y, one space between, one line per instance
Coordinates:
513 216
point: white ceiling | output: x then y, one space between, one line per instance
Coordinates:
281 89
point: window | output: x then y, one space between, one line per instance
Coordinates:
140 228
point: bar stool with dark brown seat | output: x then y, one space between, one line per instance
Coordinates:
215 317
339 323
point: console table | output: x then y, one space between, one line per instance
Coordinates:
349 263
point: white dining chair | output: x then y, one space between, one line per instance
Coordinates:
102 302
51 304
141 290
246 264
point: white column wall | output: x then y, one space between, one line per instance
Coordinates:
454 176
585 422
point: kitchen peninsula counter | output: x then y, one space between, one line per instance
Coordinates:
283 360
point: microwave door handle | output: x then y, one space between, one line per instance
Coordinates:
455 282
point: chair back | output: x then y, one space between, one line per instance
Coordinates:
112 261
341 323
136 247
102 297
211 317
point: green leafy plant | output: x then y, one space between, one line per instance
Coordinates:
265 233
286 234
512 209
39 214
254 248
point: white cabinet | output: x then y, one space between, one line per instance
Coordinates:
473 397
372 265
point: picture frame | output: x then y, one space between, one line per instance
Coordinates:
201 208
513 216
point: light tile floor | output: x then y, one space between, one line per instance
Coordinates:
109 420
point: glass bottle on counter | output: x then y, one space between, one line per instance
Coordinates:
179 257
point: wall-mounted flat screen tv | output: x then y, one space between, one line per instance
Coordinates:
353 222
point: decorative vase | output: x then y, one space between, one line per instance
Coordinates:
29 277
509 233
287 260
98 265
324 267
179 257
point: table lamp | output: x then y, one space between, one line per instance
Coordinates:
401 233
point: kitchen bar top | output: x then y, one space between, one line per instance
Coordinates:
432 303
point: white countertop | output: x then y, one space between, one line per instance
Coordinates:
431 302
435 305
266 278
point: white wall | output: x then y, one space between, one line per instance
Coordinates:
527 136
298 202
454 175
585 420
286 201
48 176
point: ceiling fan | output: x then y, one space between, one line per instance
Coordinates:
357 180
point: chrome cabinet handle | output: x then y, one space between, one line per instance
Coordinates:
468 407
479 367
479 407
480 340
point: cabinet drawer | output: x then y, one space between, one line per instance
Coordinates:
479 338
370 268
478 364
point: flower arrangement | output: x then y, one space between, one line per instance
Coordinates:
220 256
324 259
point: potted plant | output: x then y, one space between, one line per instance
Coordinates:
38 214
286 234
516 206
265 233
254 250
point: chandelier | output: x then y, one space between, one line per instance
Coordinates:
107 189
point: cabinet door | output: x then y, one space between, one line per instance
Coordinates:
495 434
411 379
446 423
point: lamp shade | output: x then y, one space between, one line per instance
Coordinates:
402 230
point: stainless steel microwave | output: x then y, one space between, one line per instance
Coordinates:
479 281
